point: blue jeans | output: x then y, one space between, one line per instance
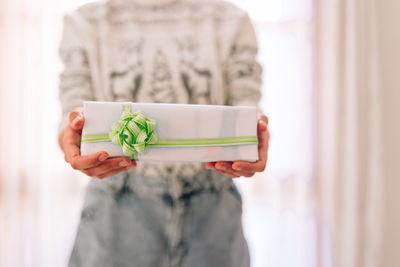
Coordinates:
162 222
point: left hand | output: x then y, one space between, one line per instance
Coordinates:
244 168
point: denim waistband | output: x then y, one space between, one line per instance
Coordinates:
174 186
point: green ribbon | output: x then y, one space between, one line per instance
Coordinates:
135 133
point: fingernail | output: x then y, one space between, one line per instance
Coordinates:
237 168
222 167
132 165
124 164
75 120
103 157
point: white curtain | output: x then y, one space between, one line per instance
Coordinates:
357 132
38 192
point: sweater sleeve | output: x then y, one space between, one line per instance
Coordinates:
75 85
242 71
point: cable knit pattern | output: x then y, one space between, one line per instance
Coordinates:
170 51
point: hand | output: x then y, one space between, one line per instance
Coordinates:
244 168
96 165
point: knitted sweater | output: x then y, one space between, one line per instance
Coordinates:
167 51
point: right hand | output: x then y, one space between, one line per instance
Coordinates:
96 165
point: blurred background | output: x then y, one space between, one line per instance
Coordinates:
330 194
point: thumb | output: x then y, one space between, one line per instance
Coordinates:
76 119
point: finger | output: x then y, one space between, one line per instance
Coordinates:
244 166
227 167
227 173
84 162
248 168
240 173
114 172
71 140
260 164
72 136
262 134
210 165
109 165
262 117
263 140
223 165
76 120
74 113
71 150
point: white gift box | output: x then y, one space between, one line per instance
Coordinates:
179 122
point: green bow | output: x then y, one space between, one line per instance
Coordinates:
134 132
